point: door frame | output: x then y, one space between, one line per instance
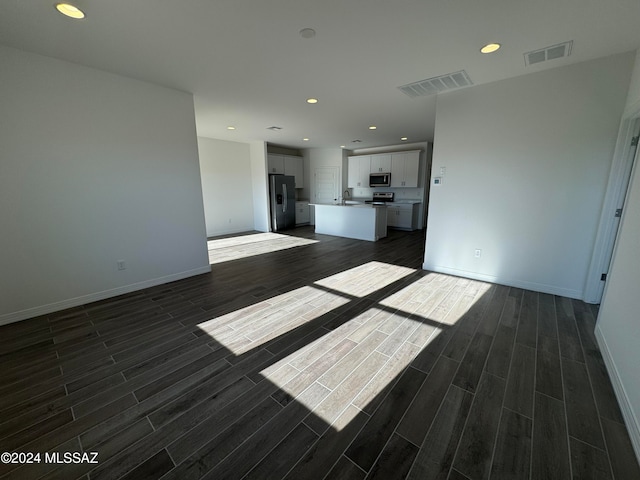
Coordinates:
619 176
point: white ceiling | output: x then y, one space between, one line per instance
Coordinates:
247 65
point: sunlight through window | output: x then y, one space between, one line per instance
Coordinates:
350 347
234 248
365 279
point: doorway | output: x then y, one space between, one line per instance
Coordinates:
613 208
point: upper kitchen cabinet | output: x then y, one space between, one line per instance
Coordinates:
404 169
293 166
286 165
381 163
359 170
275 163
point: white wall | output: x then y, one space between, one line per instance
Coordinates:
325 157
618 325
260 186
94 168
305 193
527 161
225 169
633 98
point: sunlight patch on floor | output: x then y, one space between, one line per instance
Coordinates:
365 279
348 363
234 248
260 322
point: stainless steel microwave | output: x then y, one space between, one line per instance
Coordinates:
380 180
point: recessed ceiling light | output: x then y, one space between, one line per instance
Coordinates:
307 33
404 139
231 127
343 146
312 100
490 48
372 127
70 10
305 139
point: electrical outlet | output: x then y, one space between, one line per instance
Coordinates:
478 253
443 170
121 265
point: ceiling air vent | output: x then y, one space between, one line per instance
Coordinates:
274 128
434 85
548 53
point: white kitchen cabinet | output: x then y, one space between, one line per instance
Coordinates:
381 163
286 165
293 166
359 168
275 163
402 216
302 213
404 169
403 166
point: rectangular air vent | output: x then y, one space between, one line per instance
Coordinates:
435 85
548 53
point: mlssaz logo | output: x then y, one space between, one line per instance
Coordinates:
71 457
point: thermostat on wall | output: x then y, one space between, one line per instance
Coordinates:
437 180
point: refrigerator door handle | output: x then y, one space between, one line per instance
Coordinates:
286 197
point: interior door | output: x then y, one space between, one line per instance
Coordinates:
621 200
326 185
612 213
326 188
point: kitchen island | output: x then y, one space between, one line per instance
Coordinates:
359 221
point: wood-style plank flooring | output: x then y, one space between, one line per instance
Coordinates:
314 357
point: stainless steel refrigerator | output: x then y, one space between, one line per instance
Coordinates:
282 198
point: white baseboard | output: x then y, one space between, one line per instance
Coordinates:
630 418
230 231
94 297
536 287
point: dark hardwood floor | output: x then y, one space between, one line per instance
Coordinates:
314 357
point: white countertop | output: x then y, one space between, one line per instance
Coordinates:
349 205
398 201
361 203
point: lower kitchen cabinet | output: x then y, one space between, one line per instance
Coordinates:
403 216
302 213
